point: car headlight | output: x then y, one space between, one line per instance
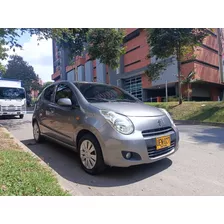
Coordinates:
24 106
119 122
168 115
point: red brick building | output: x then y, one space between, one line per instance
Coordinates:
131 73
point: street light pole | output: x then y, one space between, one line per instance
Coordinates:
166 92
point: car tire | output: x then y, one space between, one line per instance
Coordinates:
21 116
36 133
95 152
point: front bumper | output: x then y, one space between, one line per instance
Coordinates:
12 113
142 147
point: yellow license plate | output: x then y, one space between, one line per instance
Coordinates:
163 142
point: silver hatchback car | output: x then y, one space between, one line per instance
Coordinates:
106 125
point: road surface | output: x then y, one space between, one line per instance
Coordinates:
196 169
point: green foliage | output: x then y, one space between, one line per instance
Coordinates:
106 45
2 69
154 70
172 99
3 50
189 78
173 41
19 69
22 175
195 111
73 39
167 42
46 84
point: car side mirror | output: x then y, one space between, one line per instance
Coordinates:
65 102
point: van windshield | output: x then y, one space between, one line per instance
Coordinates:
104 93
12 93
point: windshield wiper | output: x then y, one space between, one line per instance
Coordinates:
98 99
125 100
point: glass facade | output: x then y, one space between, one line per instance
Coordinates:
134 86
71 75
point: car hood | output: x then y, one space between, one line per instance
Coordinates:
130 109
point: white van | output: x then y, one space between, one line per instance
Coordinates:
12 98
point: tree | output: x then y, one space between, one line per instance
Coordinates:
3 50
19 69
179 42
2 69
188 80
104 44
46 84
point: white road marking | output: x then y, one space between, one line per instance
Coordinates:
192 142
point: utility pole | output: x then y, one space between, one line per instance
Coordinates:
220 51
166 92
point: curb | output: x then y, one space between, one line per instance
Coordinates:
61 181
189 122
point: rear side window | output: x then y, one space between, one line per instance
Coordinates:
48 93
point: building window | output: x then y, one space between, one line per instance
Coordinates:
134 86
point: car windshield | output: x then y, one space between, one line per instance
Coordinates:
103 93
12 93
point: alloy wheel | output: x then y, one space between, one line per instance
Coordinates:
88 154
36 131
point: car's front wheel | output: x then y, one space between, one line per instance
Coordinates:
90 155
36 133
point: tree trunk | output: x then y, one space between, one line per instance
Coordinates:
188 91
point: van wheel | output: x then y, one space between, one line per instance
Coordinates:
36 133
90 155
21 116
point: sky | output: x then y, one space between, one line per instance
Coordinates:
38 56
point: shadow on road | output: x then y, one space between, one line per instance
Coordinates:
12 123
66 164
211 135
205 134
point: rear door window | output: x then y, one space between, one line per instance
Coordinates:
49 93
63 91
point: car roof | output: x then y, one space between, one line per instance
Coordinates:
93 83
81 82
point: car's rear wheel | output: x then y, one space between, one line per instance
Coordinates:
21 116
36 133
90 155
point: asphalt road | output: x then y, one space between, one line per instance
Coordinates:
196 169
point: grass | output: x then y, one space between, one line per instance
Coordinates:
21 174
211 112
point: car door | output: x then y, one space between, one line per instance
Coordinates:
46 111
64 122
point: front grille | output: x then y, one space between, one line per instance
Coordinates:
157 131
153 153
11 108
